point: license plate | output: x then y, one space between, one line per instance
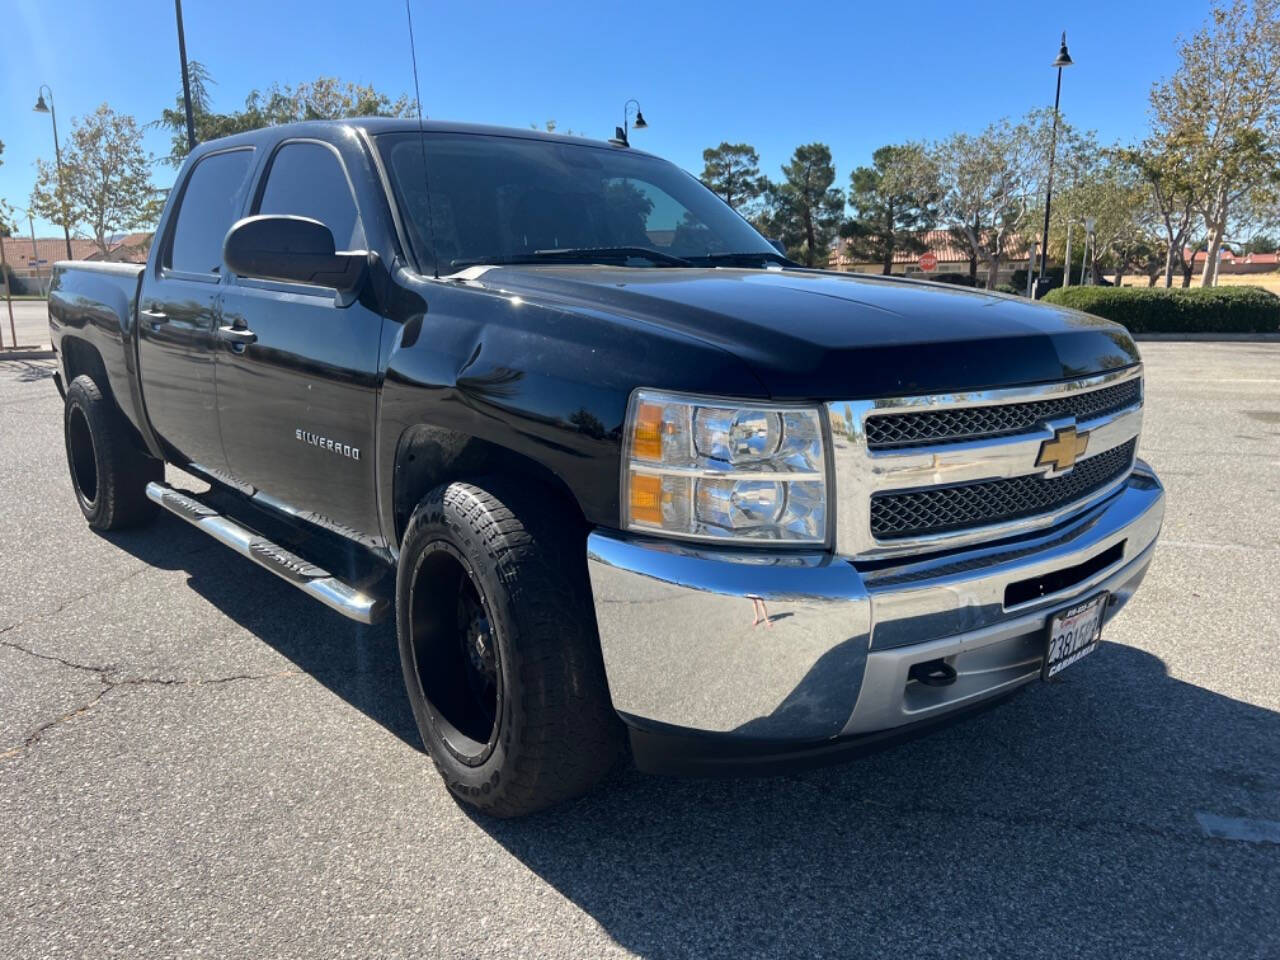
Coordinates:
1073 635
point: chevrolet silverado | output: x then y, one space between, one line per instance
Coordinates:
631 482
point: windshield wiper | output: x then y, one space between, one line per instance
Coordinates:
609 254
748 257
575 255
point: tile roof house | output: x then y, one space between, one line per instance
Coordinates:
952 257
27 257
1231 262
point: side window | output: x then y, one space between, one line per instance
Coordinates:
308 180
210 204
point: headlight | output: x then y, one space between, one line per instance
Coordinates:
696 468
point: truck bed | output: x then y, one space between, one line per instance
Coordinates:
95 305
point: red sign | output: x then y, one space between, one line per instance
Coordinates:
928 262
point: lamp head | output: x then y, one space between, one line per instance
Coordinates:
41 106
640 123
1064 58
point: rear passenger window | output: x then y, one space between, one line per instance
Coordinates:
308 180
211 203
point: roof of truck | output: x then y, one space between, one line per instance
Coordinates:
380 125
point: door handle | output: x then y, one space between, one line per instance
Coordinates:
154 317
237 336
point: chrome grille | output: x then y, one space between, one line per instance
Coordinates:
948 470
896 430
995 501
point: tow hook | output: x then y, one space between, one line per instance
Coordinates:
933 673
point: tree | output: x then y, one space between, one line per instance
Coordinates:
1221 111
8 219
1110 191
105 183
806 208
732 171
550 127
6 211
1262 243
326 98
1172 201
989 182
894 200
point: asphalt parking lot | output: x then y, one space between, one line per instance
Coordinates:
195 760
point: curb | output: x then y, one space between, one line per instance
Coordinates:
1211 337
32 353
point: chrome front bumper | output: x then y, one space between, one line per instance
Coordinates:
784 648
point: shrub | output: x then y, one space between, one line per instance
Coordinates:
959 279
1010 288
1191 310
1019 278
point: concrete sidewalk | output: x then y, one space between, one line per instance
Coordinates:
30 321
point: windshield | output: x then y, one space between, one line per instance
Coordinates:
498 199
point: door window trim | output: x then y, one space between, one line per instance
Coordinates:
165 272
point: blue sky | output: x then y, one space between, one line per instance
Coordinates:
852 75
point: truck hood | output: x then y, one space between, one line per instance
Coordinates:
817 335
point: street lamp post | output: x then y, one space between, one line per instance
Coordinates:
1063 60
42 107
624 131
35 250
186 78
8 291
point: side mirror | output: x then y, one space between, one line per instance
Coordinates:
297 249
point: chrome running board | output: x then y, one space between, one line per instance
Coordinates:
314 581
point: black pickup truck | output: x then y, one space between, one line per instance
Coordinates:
628 479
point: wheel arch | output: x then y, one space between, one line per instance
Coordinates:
82 358
427 457
79 356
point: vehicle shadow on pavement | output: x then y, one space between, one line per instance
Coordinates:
360 664
1062 822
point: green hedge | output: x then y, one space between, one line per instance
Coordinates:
1177 310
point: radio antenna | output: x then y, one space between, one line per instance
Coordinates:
422 142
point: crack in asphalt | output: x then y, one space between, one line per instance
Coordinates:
110 683
13 645
34 737
69 601
76 599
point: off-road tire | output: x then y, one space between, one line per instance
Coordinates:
109 474
555 734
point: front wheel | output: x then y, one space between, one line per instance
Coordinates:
499 650
108 472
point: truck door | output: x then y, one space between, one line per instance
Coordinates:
178 309
297 368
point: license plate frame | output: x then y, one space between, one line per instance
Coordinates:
1066 631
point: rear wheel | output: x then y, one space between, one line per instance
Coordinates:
108 473
499 650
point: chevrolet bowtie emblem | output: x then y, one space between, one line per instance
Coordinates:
1061 452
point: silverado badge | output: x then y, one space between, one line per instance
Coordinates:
325 443
1061 452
